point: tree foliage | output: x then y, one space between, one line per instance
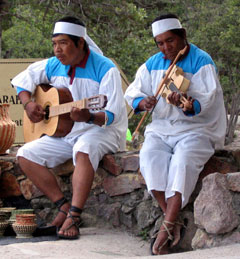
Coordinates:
220 37
123 31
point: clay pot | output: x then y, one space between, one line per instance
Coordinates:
3 226
25 225
7 211
3 216
25 219
24 231
7 129
19 211
3 221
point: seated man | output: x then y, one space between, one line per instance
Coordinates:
184 132
79 66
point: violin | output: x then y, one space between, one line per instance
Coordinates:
176 82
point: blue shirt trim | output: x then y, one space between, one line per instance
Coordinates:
196 109
20 89
110 116
135 104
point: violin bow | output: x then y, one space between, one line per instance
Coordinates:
162 83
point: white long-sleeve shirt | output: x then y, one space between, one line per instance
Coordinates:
204 86
97 75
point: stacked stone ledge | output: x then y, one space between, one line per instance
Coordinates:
119 198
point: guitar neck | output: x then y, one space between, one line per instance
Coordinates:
66 107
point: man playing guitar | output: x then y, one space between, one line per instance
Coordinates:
79 66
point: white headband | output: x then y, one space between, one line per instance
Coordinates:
70 28
164 25
76 30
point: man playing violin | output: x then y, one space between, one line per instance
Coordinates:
182 136
79 66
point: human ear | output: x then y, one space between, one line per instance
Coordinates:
81 43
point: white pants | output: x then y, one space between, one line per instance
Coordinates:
52 151
173 163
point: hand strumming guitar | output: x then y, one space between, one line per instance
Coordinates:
34 111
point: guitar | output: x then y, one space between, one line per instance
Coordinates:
57 104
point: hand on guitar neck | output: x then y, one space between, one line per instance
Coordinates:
83 115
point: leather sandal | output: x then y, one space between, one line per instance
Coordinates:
169 237
60 203
51 229
76 222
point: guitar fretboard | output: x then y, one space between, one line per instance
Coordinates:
66 107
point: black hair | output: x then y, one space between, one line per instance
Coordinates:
180 32
73 20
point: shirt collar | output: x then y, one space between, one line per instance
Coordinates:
82 64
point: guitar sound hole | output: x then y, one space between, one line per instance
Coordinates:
46 112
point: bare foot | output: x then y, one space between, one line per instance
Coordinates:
159 248
179 225
61 216
70 227
161 243
176 234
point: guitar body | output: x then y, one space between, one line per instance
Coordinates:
57 104
57 126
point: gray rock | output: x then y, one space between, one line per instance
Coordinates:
213 209
234 181
204 240
146 214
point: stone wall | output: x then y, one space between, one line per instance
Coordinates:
119 198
